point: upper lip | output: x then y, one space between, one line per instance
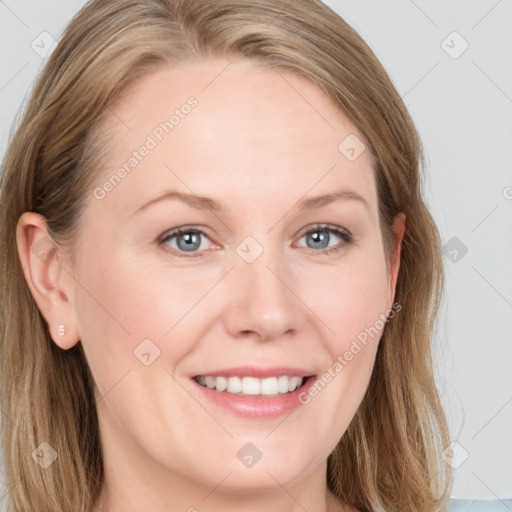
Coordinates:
257 371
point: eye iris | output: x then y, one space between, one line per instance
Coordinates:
319 237
192 241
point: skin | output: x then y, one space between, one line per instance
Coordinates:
258 141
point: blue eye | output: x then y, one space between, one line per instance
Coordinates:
320 236
189 240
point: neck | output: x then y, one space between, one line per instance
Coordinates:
113 502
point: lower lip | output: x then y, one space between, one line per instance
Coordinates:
258 406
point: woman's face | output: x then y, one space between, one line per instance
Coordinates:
257 279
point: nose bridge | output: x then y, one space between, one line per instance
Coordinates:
264 303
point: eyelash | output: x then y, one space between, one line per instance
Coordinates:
345 235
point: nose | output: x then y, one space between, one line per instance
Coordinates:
263 301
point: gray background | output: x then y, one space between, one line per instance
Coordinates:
461 102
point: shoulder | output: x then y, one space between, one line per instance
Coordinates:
457 505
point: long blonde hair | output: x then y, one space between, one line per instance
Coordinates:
390 456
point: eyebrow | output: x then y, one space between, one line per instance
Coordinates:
208 203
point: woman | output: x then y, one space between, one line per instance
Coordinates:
219 274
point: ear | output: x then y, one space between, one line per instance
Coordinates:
50 283
399 230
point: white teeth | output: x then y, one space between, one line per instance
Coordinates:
210 382
295 382
282 384
268 386
234 385
251 386
221 383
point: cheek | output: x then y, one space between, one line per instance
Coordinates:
352 306
126 309
349 299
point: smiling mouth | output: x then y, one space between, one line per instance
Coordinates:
252 386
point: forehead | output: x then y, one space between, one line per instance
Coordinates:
233 129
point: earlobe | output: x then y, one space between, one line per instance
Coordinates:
46 278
